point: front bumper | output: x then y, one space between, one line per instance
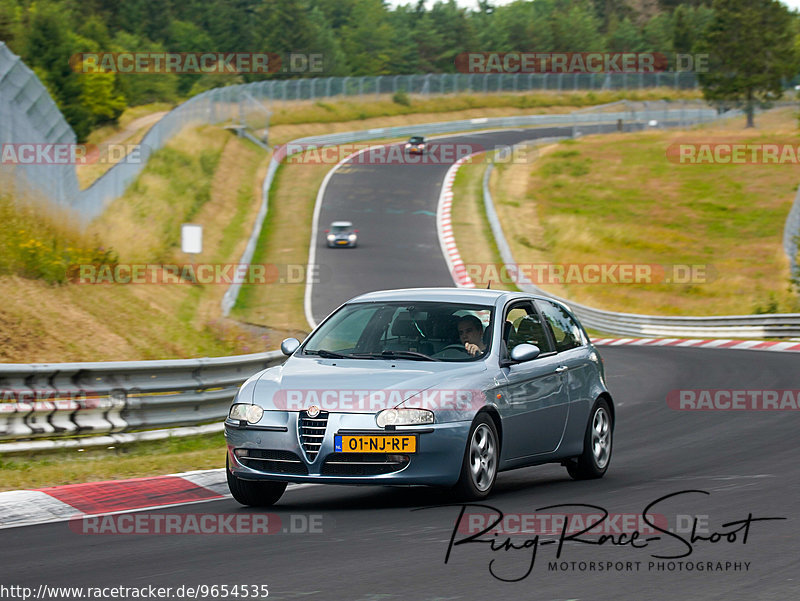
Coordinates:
440 450
342 244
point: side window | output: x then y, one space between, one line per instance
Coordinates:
522 325
566 332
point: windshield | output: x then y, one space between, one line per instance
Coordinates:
340 229
405 330
417 140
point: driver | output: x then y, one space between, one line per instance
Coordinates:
470 333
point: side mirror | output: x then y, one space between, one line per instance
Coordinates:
289 346
356 231
525 352
327 231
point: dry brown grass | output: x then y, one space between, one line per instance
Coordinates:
470 227
130 322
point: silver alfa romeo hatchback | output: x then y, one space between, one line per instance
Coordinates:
433 386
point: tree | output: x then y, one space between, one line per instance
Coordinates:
750 47
100 98
624 37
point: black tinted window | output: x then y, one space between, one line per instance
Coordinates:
566 332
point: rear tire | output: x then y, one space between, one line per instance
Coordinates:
481 458
597 447
254 493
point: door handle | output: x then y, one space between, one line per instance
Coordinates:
561 369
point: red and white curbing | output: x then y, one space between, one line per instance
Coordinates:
76 501
740 345
444 227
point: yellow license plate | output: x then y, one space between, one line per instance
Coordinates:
375 444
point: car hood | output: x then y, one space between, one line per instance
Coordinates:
360 386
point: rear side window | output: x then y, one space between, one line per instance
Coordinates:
566 331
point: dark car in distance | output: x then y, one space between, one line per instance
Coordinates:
415 145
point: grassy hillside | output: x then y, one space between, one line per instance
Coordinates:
619 199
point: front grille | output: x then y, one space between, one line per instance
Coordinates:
274 462
312 431
362 464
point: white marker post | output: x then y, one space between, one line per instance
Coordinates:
192 238
192 241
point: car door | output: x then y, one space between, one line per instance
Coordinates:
572 350
536 403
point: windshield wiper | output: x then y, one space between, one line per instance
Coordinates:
396 355
328 354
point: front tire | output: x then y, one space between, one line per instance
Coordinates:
254 493
596 456
481 457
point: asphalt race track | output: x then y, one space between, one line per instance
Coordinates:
394 208
375 544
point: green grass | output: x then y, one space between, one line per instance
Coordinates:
617 199
471 228
173 455
45 244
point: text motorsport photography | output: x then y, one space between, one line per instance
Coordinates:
659 542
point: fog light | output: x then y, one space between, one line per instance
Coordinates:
240 452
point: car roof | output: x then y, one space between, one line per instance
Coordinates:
458 295
341 224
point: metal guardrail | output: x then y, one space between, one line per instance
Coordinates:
629 324
65 400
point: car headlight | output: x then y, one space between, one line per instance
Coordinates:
331 237
352 237
404 417
244 411
408 145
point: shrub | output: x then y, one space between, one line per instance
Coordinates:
401 97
